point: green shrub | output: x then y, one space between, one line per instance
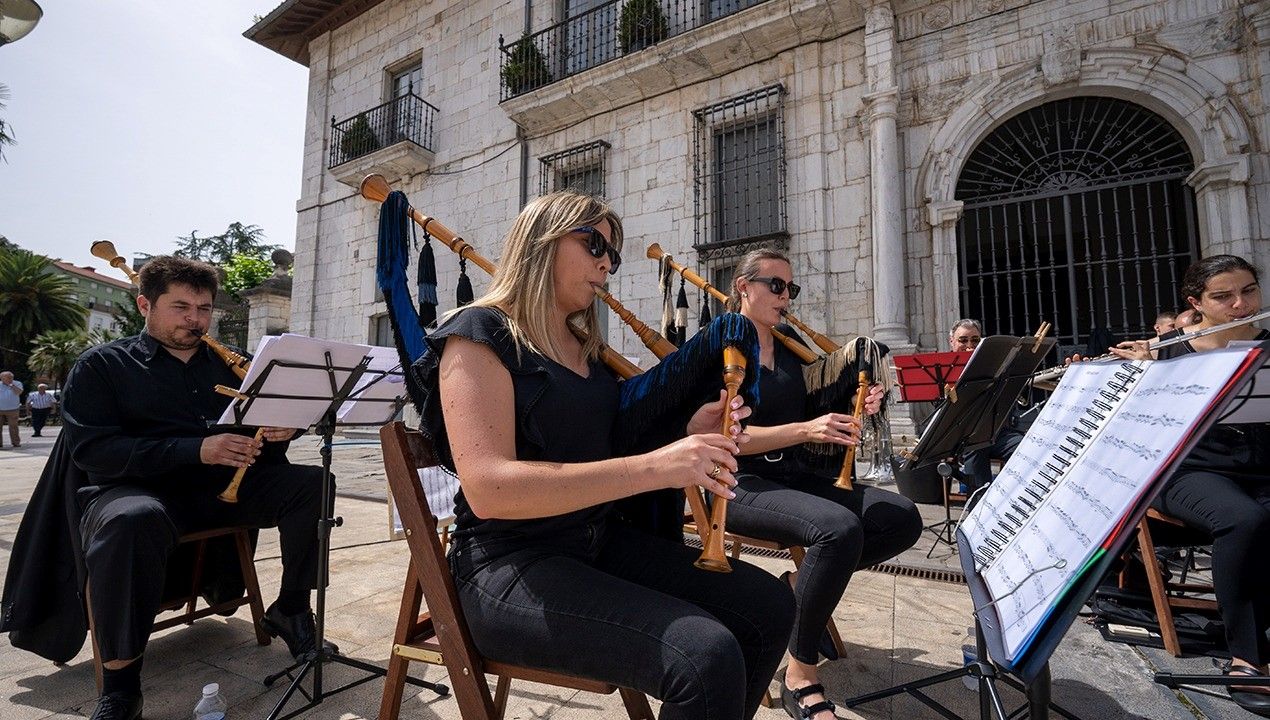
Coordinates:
641 24
358 139
525 68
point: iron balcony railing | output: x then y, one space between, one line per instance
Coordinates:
405 118
603 33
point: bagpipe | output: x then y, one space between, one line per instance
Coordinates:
833 380
652 401
105 250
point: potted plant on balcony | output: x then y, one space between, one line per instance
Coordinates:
358 139
525 68
641 24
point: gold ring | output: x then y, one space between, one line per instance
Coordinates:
714 474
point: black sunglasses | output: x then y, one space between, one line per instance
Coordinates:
778 285
597 246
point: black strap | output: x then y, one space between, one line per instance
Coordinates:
803 692
817 708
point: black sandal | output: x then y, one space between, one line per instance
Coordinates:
792 700
1253 701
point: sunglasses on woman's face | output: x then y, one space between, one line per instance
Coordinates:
597 245
778 285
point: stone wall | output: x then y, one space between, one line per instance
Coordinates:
963 67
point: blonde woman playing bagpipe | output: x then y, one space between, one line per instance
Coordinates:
528 416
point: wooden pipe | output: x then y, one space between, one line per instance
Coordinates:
230 493
848 460
713 557
105 250
656 253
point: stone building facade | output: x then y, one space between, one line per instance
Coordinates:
921 160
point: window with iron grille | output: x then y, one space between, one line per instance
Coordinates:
581 168
1077 213
739 171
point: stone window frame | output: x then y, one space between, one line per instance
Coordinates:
765 105
556 168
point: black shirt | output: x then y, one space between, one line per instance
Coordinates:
782 393
1241 449
134 412
560 417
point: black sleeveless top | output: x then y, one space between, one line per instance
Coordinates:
560 416
1235 449
783 399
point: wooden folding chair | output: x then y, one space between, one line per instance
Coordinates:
1165 595
188 604
440 636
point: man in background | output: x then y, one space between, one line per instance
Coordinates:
40 403
10 401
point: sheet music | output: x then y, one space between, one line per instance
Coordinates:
299 382
1100 442
372 400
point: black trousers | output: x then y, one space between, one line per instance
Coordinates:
1236 512
842 530
38 418
610 603
129 530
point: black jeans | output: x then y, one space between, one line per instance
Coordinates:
842 530
612 604
978 463
129 531
1236 512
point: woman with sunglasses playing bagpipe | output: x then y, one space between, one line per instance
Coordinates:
779 498
526 413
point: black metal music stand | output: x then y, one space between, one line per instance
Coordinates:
339 393
967 420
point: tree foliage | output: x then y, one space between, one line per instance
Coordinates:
244 272
33 300
55 352
6 130
238 239
128 319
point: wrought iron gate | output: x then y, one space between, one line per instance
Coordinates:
1076 212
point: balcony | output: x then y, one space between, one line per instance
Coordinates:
625 51
394 139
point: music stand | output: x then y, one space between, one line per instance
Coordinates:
922 377
335 399
969 418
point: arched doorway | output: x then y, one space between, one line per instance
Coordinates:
1076 212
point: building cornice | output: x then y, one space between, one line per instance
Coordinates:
291 26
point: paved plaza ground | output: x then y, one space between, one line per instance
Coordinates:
897 628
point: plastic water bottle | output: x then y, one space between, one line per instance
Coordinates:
211 706
969 654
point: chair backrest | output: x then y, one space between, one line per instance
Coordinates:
405 451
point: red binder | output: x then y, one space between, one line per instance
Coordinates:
923 376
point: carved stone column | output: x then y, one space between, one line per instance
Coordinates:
890 302
943 217
1221 197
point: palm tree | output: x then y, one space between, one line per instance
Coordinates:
55 352
6 130
32 301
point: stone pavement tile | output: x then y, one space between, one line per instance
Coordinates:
929 642
932 601
48 690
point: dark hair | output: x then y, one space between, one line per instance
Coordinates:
159 273
1199 273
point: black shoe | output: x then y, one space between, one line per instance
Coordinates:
118 706
297 631
36 435
1252 700
792 701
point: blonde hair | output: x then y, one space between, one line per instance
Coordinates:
748 268
524 286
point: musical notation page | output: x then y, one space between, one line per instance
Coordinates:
1100 442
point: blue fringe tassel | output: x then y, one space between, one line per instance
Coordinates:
391 273
669 392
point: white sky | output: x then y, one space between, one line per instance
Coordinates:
138 121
